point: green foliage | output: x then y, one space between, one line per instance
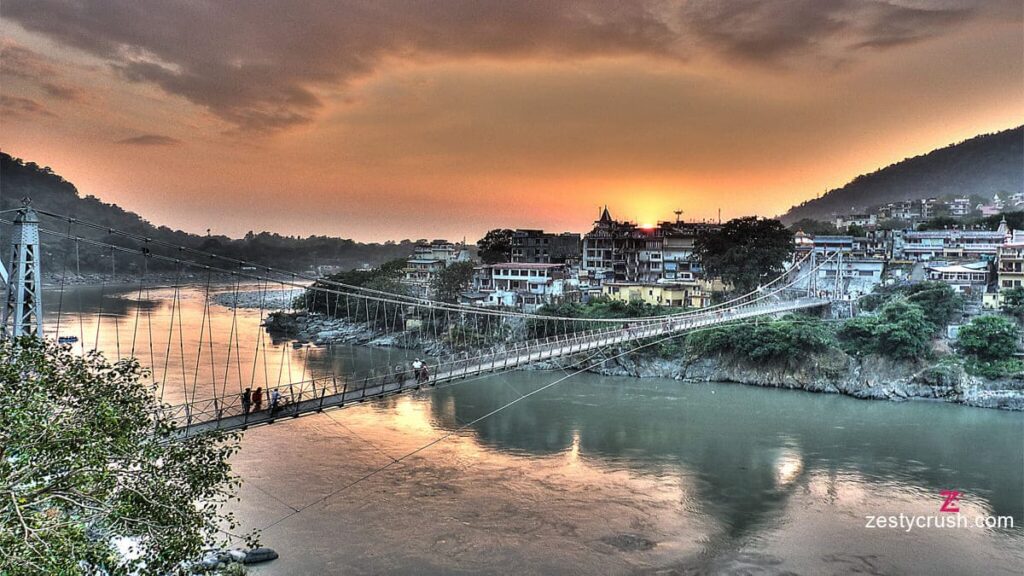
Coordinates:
856 230
981 165
745 252
940 223
901 330
940 303
86 456
1013 301
385 278
787 339
994 368
452 281
857 335
813 227
989 338
1014 220
495 246
596 308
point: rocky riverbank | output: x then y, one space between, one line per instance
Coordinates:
834 372
871 377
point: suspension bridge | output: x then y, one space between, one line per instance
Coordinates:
217 380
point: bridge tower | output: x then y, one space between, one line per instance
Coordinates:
23 309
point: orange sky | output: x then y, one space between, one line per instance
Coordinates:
399 119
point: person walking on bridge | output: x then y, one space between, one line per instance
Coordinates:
275 398
417 367
257 399
246 400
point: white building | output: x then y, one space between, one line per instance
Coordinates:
524 286
962 277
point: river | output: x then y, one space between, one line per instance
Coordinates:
595 475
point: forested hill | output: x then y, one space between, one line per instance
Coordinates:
51 192
984 165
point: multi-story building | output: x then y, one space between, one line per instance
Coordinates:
428 259
1010 265
959 207
949 244
539 247
862 220
524 286
624 252
688 294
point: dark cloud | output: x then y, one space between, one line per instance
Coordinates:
263 66
62 91
150 140
20 62
769 32
16 106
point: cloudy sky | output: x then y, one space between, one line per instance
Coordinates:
393 119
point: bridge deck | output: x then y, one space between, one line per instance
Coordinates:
318 394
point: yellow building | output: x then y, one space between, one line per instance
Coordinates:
688 294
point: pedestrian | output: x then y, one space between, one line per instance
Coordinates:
417 366
257 399
399 374
424 374
275 398
246 400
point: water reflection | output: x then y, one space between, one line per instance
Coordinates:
747 451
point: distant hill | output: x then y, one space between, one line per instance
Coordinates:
51 192
983 166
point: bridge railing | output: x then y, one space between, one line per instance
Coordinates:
337 391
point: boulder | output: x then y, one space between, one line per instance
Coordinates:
261 554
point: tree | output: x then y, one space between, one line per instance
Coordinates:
903 331
989 338
451 281
813 227
939 223
496 246
87 457
745 252
1013 301
856 230
940 303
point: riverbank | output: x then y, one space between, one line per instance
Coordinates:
871 377
833 372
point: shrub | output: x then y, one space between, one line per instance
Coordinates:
989 338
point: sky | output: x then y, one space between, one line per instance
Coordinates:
387 119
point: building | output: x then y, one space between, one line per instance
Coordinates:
959 207
875 244
1010 265
539 247
964 278
688 295
950 244
428 259
825 244
522 285
624 252
862 220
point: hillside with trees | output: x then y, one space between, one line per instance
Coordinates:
983 166
51 192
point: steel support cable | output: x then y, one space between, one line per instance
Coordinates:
242 263
393 299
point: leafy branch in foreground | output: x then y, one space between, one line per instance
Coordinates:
93 477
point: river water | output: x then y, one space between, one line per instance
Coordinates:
599 475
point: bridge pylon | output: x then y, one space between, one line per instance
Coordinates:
23 309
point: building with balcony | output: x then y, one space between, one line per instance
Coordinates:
539 247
